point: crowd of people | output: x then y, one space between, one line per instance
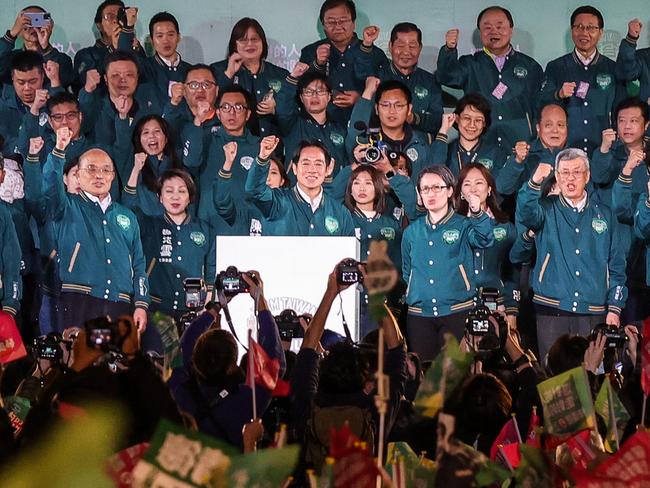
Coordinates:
120 168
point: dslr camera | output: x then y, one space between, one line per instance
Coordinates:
195 295
479 324
102 333
288 323
50 347
615 338
232 283
347 272
376 146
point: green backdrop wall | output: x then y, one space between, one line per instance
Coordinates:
541 27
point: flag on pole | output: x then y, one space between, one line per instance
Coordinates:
265 369
645 358
509 435
532 438
614 415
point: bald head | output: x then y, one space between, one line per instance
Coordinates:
552 127
96 172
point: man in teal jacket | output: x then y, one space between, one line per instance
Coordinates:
101 262
510 80
633 64
583 81
579 277
10 258
305 209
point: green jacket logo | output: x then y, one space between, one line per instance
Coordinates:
337 138
499 233
599 225
331 224
603 80
198 238
520 72
450 236
420 92
487 162
276 85
123 221
388 233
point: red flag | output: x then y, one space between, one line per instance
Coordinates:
580 449
509 455
11 344
282 389
509 435
120 465
266 370
354 466
531 438
645 358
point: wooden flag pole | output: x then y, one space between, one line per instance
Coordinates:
380 401
251 370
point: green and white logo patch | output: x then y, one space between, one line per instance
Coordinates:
420 91
246 162
520 72
487 162
275 85
412 154
337 138
388 233
198 238
450 236
603 80
331 224
123 221
599 225
499 233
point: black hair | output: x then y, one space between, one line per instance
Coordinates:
344 370
330 4
69 164
183 175
462 207
163 17
200 66
633 102
589 10
214 356
59 98
37 7
307 79
116 56
377 177
444 173
106 3
387 85
304 144
480 103
286 183
236 89
149 178
405 28
505 12
567 352
239 31
25 60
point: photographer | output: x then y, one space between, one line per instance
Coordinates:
393 107
340 386
209 385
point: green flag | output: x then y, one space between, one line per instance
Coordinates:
446 373
268 467
169 334
606 411
567 403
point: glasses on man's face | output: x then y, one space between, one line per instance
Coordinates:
425 190
195 85
70 116
314 93
566 174
238 107
393 105
331 23
586 28
96 171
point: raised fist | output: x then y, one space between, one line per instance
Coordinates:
370 35
63 136
451 38
267 146
542 171
299 69
177 91
608 138
521 151
567 89
92 80
322 54
634 28
234 63
35 145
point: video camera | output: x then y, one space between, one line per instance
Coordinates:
288 323
615 338
483 320
348 273
376 146
50 347
104 334
231 281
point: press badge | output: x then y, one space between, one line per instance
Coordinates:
500 90
583 88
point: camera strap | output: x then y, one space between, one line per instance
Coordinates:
346 329
224 306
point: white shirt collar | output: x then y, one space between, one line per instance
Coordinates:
588 59
580 206
313 203
103 204
171 63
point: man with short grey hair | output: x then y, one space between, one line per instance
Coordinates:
579 276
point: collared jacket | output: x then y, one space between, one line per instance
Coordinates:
514 175
590 111
174 252
291 214
100 254
437 262
11 285
514 110
634 64
452 155
580 264
88 58
642 229
269 77
345 70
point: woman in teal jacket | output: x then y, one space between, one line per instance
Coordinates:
152 137
437 259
